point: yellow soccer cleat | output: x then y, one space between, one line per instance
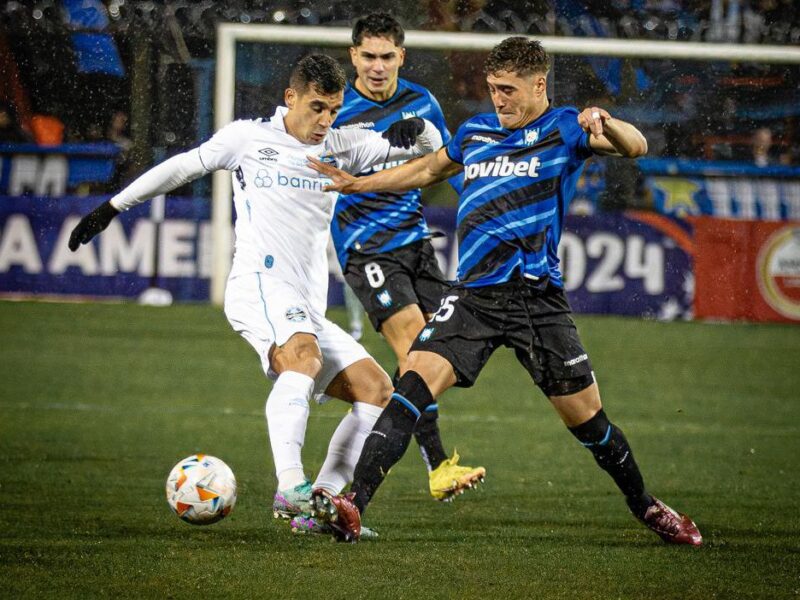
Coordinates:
448 480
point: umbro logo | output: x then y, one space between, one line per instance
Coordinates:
268 154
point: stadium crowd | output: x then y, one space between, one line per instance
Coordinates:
78 68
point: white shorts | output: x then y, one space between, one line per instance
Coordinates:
265 310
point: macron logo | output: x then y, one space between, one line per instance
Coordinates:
502 167
364 125
484 139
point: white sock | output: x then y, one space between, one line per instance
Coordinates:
287 415
345 447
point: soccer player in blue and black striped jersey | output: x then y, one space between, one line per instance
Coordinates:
382 240
520 164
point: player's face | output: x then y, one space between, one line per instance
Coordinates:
311 113
517 99
377 61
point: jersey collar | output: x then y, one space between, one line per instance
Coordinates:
277 118
277 122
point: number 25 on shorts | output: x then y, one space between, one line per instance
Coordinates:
446 309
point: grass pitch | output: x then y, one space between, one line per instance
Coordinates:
99 401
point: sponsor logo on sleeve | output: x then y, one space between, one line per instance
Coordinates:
295 314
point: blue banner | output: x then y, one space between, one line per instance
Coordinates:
121 262
54 170
627 264
764 199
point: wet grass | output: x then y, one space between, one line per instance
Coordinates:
99 401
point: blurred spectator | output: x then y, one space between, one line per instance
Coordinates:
117 131
48 130
94 132
10 129
764 152
623 187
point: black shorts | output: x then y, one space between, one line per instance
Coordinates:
472 322
387 282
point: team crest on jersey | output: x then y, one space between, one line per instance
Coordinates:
268 154
426 334
295 314
263 180
385 298
328 160
531 135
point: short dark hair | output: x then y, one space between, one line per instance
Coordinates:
378 24
319 70
518 55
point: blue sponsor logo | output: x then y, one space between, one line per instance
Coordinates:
426 334
295 314
301 183
269 261
385 298
263 180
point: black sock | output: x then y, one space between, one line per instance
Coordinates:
389 438
429 438
610 449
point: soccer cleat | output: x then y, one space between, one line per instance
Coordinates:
307 524
673 527
337 512
448 480
289 503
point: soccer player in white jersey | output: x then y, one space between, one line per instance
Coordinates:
276 293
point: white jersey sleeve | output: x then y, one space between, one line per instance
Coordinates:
220 152
356 150
223 150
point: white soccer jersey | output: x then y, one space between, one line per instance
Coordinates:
282 215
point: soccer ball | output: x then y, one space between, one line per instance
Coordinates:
201 489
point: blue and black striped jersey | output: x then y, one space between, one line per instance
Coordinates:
372 223
517 187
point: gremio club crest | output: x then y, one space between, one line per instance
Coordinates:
778 271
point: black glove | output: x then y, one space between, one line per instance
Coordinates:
404 133
92 224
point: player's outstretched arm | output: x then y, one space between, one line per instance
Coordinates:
92 224
612 136
165 177
418 173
